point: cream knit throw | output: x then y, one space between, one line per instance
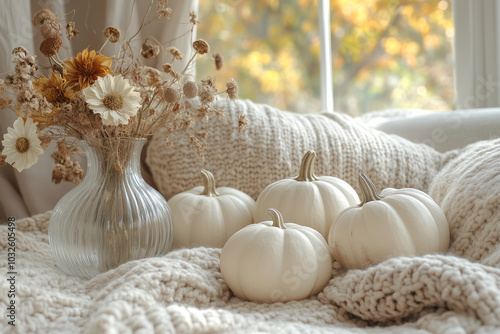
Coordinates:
184 292
468 191
274 144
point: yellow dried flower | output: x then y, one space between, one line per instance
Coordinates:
201 46
219 61
55 89
112 33
175 52
71 31
2 160
51 46
232 89
171 95
86 67
41 16
190 89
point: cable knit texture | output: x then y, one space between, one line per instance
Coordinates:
184 291
273 146
468 191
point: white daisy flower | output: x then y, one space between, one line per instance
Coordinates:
113 98
21 144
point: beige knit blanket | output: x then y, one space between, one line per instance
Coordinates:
184 291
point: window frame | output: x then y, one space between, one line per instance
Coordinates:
326 75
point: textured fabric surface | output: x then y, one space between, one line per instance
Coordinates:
468 191
184 292
273 146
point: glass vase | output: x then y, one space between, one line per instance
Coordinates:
112 216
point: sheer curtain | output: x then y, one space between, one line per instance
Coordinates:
31 191
477 53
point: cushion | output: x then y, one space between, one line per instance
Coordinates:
273 145
468 191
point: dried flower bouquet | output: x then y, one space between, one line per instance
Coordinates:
102 99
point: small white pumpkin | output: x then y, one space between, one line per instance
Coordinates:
276 262
398 222
307 199
206 216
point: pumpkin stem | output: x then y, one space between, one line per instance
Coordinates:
368 189
209 183
306 172
277 219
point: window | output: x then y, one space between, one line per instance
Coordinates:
385 53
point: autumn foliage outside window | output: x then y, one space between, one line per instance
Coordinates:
386 53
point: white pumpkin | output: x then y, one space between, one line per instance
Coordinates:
206 216
307 200
276 262
398 222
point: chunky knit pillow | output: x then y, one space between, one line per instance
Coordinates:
468 191
274 143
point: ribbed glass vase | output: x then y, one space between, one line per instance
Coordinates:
112 216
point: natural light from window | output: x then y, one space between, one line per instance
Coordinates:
386 54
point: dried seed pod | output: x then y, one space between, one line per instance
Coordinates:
112 33
41 16
232 89
150 49
219 61
51 46
190 89
201 46
171 95
51 29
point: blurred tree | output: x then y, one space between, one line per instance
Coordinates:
386 53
